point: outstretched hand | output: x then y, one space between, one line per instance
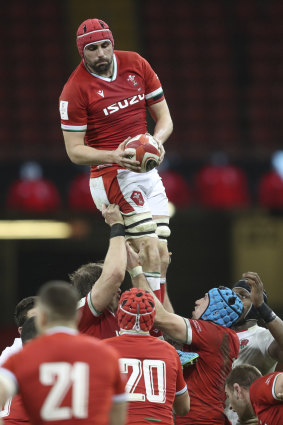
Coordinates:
256 286
112 214
122 159
134 258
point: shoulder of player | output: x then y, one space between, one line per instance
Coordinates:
134 58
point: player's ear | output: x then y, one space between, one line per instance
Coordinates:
20 330
237 390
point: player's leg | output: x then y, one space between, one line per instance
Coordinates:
126 189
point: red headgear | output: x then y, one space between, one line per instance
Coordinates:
136 310
92 31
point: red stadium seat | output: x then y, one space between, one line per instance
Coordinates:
222 187
177 188
38 196
79 196
270 192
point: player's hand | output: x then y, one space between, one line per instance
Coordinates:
161 149
132 257
120 158
256 285
112 214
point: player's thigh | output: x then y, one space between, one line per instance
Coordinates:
119 187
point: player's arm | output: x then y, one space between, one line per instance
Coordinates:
176 327
279 387
114 267
273 323
181 404
118 413
81 154
163 123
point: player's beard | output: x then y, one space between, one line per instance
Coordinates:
101 66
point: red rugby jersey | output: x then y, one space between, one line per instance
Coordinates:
66 378
267 407
154 376
217 346
110 109
101 325
14 412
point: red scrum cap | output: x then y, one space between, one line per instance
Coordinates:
136 310
92 31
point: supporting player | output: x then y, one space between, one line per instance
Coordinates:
152 367
252 395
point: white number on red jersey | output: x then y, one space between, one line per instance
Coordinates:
155 387
63 377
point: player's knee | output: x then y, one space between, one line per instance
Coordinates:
140 226
162 230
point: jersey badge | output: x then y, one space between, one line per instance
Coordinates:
101 93
136 196
243 343
132 81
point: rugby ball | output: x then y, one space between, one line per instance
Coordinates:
143 148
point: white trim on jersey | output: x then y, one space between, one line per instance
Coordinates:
273 388
95 312
154 93
182 391
189 333
73 127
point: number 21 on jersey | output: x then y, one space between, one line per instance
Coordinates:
154 377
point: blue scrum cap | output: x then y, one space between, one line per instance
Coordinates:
224 308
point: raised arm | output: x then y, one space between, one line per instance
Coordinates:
81 154
114 267
273 323
173 325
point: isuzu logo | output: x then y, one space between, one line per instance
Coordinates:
123 104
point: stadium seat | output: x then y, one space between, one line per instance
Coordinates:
79 196
222 187
33 193
270 191
177 188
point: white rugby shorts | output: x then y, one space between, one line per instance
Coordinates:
133 192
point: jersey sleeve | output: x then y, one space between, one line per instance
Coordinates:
88 313
265 338
153 89
263 389
72 107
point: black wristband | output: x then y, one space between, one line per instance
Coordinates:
117 229
266 313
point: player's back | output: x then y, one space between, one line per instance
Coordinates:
217 347
154 376
67 378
